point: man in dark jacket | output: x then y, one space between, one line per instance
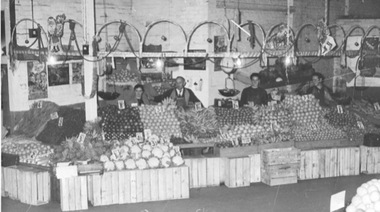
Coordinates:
183 96
254 94
320 91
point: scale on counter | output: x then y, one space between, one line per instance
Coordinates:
228 66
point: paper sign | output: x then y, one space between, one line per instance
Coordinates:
377 106
245 140
147 133
304 98
139 137
39 104
339 108
198 106
121 104
337 201
235 104
361 125
219 103
60 122
81 138
134 105
53 115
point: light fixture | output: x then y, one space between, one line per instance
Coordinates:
159 64
163 38
288 61
238 62
52 59
209 40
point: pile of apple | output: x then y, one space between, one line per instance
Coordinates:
274 114
133 153
305 109
161 120
367 198
318 132
122 77
31 152
230 116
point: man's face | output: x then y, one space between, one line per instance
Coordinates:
255 82
316 81
179 83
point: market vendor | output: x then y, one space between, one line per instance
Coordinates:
184 97
138 97
254 94
320 91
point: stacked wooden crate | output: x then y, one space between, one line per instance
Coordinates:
204 172
26 184
280 166
237 172
133 186
323 163
370 160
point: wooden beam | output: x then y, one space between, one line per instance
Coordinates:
253 6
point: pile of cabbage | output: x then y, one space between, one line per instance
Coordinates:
367 198
154 152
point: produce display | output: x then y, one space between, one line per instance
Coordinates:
305 109
365 107
344 119
120 124
160 89
161 120
123 77
367 198
230 116
31 152
201 124
134 153
317 132
278 114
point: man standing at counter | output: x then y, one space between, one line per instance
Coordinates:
320 91
183 96
254 94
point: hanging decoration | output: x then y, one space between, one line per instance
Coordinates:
281 39
327 42
37 80
55 32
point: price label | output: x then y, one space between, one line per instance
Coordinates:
39 104
305 98
139 137
157 109
219 103
245 140
377 106
147 133
361 125
121 104
54 116
134 105
81 138
60 122
198 106
176 148
235 104
314 127
340 109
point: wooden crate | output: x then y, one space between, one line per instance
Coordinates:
133 186
73 193
369 160
336 143
203 172
280 156
323 163
274 181
237 172
27 184
255 168
282 170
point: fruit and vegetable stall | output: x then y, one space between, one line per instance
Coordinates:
140 154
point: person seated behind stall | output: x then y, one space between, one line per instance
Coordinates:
254 94
184 97
320 91
138 97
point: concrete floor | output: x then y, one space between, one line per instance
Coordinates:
305 196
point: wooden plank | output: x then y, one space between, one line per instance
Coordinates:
239 172
363 159
194 173
77 190
20 188
256 168
308 165
3 194
316 164
28 187
222 172
40 187
72 194
202 172
231 173
97 190
47 187
14 185
177 183
327 162
122 182
210 171
188 163
282 181
301 171
133 186
357 161
83 193
377 163
154 184
146 185
321 161
115 187
64 190
161 184
106 186
90 189
139 186
169 183
246 171
216 171
128 187
185 191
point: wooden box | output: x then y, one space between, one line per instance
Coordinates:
73 193
203 172
237 172
323 163
274 181
336 143
133 186
255 168
369 160
27 184
280 156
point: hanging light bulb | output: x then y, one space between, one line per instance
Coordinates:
288 61
159 64
52 59
238 62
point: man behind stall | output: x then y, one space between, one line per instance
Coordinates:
184 97
254 94
320 91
